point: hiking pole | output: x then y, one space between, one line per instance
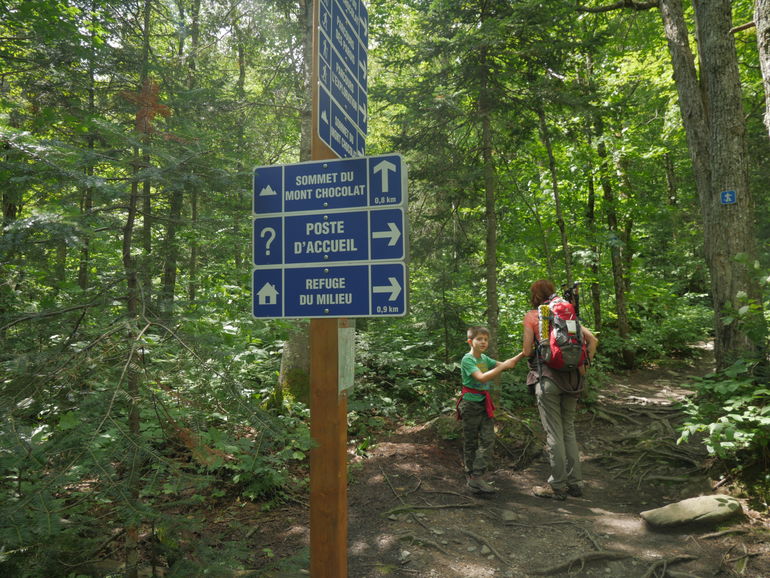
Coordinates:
572 294
576 293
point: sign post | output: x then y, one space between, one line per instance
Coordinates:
328 459
329 243
328 405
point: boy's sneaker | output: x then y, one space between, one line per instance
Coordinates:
548 492
575 491
479 485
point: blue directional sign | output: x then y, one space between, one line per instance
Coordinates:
342 76
367 290
330 238
728 197
366 182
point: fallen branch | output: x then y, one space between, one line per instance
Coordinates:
400 499
410 507
444 492
591 538
661 478
582 559
512 417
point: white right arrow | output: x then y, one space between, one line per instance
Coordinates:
384 167
393 234
394 288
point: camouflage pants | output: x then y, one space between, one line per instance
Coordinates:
478 436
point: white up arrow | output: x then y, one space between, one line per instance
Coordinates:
383 167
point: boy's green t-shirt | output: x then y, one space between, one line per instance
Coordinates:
468 365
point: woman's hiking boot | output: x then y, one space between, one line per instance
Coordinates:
478 484
575 491
548 491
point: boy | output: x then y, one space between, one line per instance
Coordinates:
475 407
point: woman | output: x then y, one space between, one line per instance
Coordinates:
557 395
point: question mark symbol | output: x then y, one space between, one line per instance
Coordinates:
268 231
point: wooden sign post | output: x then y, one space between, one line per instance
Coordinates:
328 459
328 411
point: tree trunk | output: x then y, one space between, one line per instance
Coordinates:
141 160
192 277
715 128
591 221
545 138
629 357
762 22
306 116
171 253
87 199
490 194
294 375
132 385
174 221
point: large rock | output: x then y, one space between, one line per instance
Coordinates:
703 509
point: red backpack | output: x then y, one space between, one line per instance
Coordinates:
560 339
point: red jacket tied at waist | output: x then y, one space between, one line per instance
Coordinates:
488 404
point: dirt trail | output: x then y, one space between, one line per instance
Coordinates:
410 513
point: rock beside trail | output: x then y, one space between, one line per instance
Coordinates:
703 509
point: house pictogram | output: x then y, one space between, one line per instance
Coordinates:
267 295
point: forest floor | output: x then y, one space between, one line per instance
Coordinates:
411 514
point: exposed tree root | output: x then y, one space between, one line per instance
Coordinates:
581 560
724 533
425 542
607 414
739 562
660 568
482 540
410 507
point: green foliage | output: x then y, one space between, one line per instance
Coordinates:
398 374
666 325
79 465
731 410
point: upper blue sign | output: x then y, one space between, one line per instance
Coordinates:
728 197
342 76
366 182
